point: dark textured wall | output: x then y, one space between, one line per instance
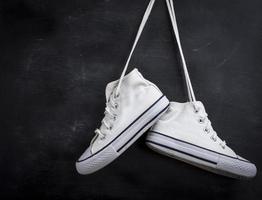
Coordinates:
56 58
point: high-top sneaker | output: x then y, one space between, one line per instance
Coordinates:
133 104
127 116
184 132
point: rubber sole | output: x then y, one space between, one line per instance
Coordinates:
124 140
209 160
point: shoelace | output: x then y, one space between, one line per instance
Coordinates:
203 119
191 94
110 110
110 115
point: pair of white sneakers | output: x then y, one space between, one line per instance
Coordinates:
178 130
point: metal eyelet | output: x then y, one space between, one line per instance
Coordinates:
116 95
110 128
206 130
116 106
213 139
196 110
201 120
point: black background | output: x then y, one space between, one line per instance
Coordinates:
56 59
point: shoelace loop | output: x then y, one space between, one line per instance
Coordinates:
110 114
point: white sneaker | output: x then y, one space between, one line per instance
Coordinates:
127 117
133 104
184 132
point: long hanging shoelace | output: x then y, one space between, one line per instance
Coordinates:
139 32
191 94
112 105
171 10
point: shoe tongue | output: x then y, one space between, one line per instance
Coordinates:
110 89
131 76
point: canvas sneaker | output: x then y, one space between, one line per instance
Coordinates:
133 104
184 132
127 116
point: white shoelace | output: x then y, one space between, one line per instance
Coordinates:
139 32
110 115
208 127
191 94
112 104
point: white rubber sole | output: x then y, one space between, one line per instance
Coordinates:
235 167
124 140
